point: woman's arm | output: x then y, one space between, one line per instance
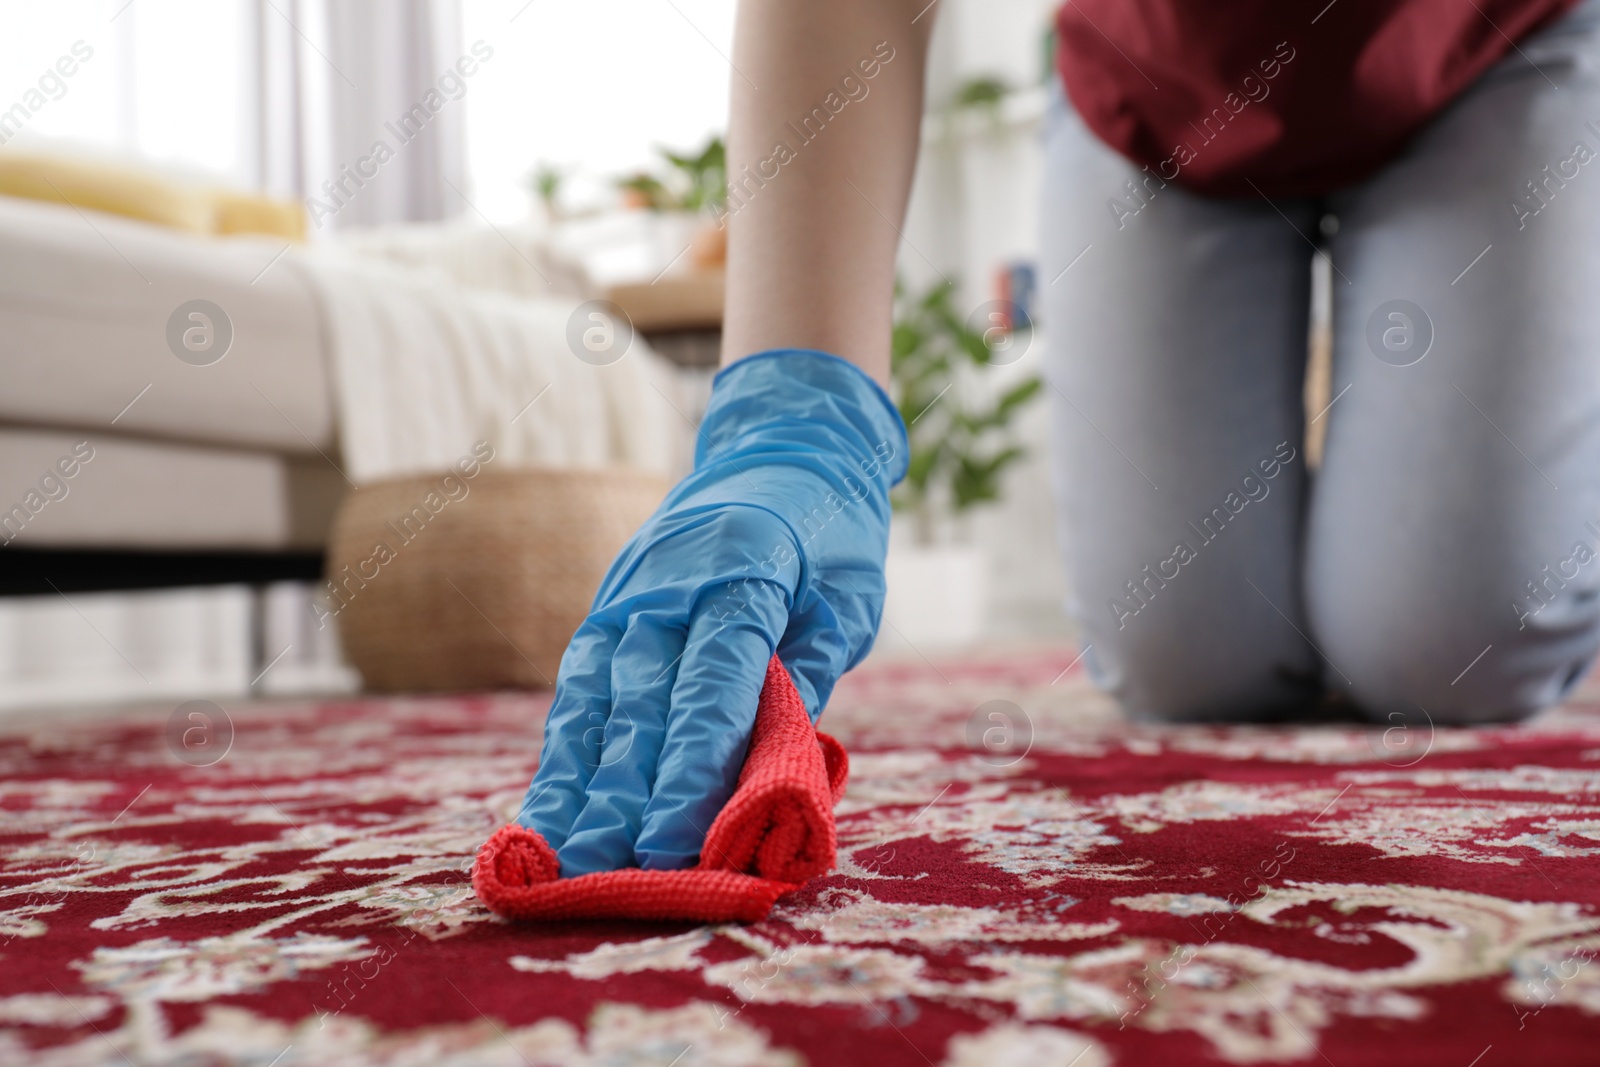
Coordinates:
676 649
822 143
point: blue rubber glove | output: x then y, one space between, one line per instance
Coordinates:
775 542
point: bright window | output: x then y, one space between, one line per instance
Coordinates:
592 86
165 79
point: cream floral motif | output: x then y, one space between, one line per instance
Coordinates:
1565 973
1255 1005
1455 828
52 1009
786 940
365 834
825 974
1447 820
691 1035
1325 745
1559 781
1086 986
61 798
432 910
1184 904
1557 837
63 855
1034 835
428 850
1203 801
1363 812
26 921
676 953
916 778
1012 1045
188 890
851 917
167 969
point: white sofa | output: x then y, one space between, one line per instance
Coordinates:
123 466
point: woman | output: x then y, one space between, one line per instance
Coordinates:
1440 564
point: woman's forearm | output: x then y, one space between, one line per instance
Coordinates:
822 143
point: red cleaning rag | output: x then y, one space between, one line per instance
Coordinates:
775 833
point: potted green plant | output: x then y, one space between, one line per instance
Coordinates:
702 177
546 183
982 94
685 197
960 416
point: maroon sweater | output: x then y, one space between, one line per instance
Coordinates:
1276 97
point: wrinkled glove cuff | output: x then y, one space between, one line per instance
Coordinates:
787 403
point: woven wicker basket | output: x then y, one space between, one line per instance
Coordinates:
436 590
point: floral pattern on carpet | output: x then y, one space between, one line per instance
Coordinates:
1024 879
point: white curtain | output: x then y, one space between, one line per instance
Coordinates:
278 109
334 79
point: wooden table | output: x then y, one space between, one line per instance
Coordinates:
680 315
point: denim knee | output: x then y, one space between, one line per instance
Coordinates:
1404 640
1205 662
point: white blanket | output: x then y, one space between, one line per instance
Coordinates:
424 369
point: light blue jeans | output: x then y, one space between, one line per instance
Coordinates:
1445 559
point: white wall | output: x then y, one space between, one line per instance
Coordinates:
165 80
594 87
166 645
975 201
975 206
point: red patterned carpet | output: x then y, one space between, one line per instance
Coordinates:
1117 895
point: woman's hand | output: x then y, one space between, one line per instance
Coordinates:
775 542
